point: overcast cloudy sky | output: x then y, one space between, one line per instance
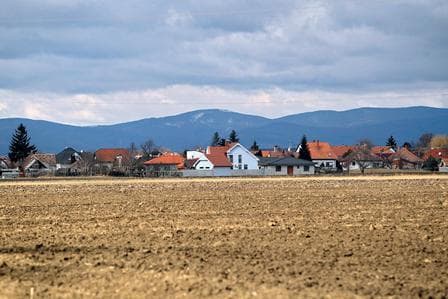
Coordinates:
106 61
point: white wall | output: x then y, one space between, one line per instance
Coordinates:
247 158
194 155
204 164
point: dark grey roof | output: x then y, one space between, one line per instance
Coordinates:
285 161
65 157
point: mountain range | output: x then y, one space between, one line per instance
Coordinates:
195 128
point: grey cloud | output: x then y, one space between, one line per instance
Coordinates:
79 46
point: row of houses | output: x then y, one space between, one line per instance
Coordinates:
226 160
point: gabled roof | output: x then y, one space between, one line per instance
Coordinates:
341 150
168 159
48 160
404 154
190 163
220 149
219 160
111 154
284 161
65 156
245 149
360 153
5 162
321 151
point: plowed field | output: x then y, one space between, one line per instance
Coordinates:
268 238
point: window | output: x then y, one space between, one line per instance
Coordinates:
329 164
240 159
278 168
231 158
353 163
207 167
202 167
306 168
245 166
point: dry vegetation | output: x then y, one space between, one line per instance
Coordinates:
309 237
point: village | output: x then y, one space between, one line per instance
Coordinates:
229 157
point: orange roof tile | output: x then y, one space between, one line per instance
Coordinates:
340 150
219 160
382 150
438 153
404 154
168 159
111 154
321 151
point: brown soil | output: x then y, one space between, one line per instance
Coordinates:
269 238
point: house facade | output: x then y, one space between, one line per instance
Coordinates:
286 166
169 164
241 158
404 159
198 160
111 159
322 155
39 164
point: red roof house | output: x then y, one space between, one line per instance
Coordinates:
341 150
321 151
438 153
110 155
168 159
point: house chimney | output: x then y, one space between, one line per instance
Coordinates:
275 148
317 143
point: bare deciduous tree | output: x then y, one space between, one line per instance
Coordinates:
361 154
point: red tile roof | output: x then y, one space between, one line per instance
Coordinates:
219 159
111 154
220 149
438 153
340 150
321 151
168 159
404 154
382 150
217 155
272 154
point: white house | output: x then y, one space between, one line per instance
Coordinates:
322 155
241 158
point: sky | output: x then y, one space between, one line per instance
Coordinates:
108 61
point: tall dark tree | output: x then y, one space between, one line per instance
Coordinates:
233 137
304 151
215 139
391 142
222 142
20 146
254 147
407 145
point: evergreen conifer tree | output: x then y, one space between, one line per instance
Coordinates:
215 139
20 146
254 146
304 152
391 142
233 137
